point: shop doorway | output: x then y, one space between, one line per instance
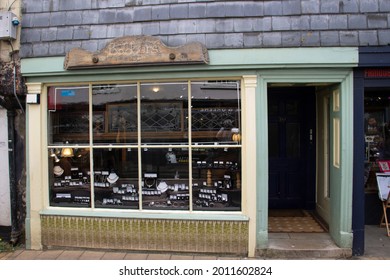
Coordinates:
291 148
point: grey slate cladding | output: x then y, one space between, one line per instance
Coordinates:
368 37
160 12
292 7
252 39
330 6
178 11
53 27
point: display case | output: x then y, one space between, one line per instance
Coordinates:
115 177
69 178
165 183
216 179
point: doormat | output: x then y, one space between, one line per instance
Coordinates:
286 213
303 222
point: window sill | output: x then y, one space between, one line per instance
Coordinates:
145 214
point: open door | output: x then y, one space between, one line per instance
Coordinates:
328 147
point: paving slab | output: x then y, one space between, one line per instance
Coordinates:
114 256
182 257
28 255
135 256
49 255
3 255
70 255
205 257
92 255
12 255
158 257
229 258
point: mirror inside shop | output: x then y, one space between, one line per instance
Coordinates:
377 135
151 146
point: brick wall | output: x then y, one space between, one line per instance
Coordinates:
53 27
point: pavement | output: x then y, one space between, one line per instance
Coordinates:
281 246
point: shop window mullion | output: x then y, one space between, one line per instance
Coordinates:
190 147
91 147
139 145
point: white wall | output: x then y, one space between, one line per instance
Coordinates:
5 203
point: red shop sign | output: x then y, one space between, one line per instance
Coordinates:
377 73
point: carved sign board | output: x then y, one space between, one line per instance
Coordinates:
136 51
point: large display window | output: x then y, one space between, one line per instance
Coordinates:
377 133
146 146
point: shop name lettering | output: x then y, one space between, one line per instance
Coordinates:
377 73
132 51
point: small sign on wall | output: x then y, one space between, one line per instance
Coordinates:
33 98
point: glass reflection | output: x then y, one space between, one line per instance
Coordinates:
216 112
164 113
68 115
114 114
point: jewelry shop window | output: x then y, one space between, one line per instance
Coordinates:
146 146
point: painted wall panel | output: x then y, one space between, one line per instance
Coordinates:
5 203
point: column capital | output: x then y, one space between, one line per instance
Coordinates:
250 80
34 87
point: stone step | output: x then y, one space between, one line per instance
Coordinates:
303 246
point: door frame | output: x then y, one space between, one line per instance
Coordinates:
340 227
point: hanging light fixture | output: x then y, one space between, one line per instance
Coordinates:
67 152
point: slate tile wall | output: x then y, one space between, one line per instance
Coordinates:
46 24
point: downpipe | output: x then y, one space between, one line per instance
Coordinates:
15 229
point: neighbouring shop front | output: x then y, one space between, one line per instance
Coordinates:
178 153
373 87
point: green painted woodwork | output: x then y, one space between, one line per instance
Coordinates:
341 180
288 65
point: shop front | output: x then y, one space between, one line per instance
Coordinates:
372 86
178 153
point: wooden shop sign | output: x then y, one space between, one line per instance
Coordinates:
136 51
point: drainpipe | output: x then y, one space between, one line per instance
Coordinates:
15 230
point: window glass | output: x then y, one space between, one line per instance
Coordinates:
215 113
164 113
165 180
377 133
68 115
150 147
115 177
69 177
216 179
114 114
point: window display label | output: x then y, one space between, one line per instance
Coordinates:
68 93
